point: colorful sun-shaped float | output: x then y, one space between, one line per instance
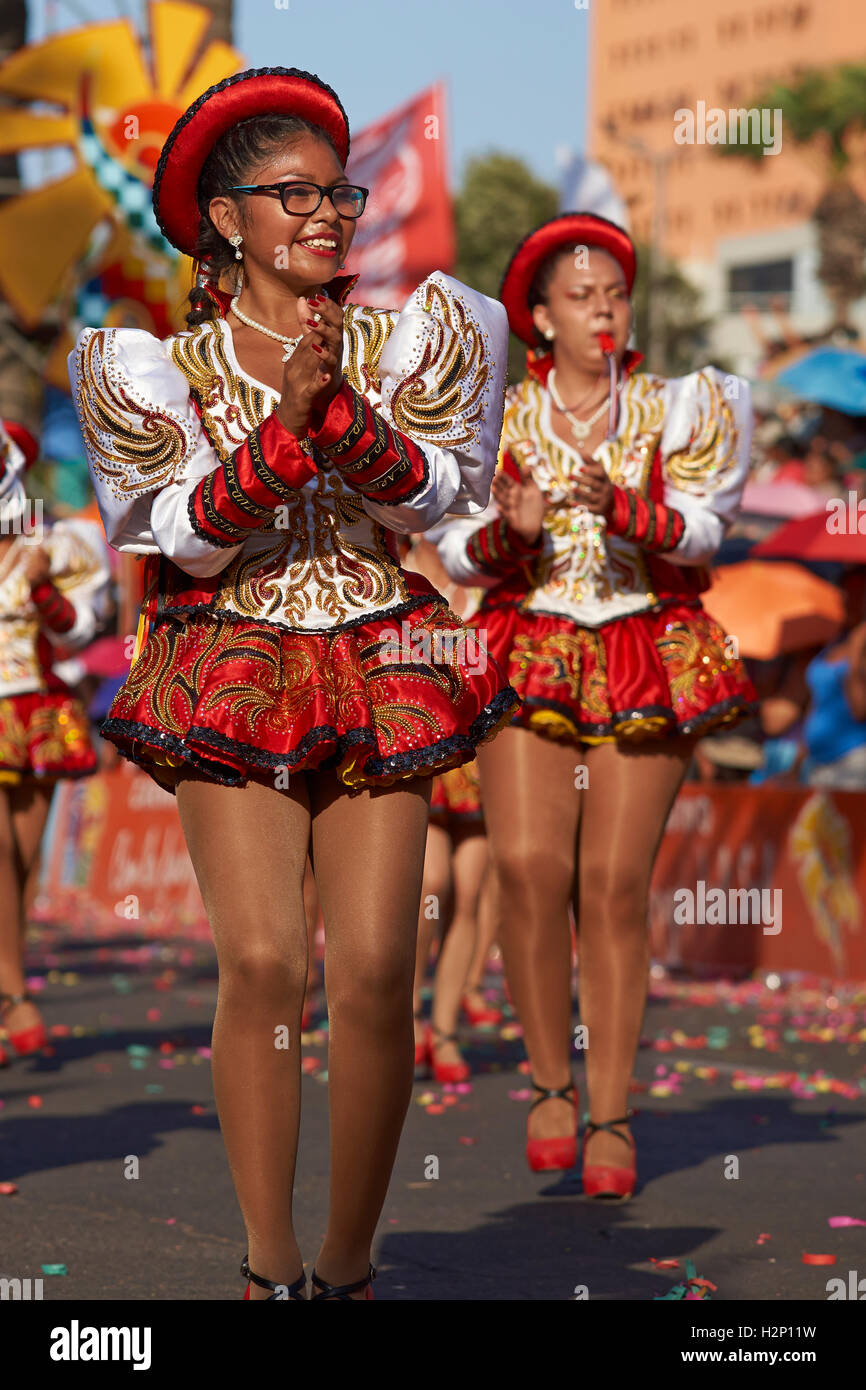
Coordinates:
85 247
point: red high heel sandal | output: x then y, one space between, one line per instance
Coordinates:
609 1181
542 1155
343 1290
291 1290
487 1014
444 1072
26 1040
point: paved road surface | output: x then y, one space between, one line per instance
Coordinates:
487 1228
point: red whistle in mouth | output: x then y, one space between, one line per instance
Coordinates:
605 342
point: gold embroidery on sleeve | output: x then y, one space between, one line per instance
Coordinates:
712 450
133 445
449 411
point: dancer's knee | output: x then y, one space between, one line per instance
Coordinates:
616 903
532 872
374 985
264 970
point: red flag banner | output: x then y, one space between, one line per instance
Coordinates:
407 229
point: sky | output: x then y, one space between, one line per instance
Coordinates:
515 69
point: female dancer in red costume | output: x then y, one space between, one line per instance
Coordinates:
615 491
264 459
51 593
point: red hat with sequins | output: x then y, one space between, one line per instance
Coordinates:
571 229
256 92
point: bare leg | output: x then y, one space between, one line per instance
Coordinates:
369 856
11 973
627 802
455 954
532 811
31 802
24 815
484 939
435 907
311 913
249 848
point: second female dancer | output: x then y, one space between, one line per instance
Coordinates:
263 460
615 491
54 584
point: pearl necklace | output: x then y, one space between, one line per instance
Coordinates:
288 343
579 428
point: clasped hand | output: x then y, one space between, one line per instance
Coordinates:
522 504
314 372
593 489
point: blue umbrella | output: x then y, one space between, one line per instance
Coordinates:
834 377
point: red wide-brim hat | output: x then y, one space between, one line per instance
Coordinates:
256 92
571 229
27 442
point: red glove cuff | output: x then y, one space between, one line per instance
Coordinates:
649 524
55 611
498 549
262 474
372 457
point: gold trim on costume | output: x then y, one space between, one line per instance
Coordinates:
462 374
144 445
713 448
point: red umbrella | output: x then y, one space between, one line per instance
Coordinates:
824 536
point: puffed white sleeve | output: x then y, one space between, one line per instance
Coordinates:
430 446
480 551
159 484
77 596
705 447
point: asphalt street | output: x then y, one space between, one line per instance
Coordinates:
775 1079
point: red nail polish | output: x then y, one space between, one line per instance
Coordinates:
312 322
316 348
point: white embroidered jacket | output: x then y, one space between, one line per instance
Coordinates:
679 462
79 571
160 417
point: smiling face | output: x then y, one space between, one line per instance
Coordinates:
301 251
586 295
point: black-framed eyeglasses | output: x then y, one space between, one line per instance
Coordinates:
300 199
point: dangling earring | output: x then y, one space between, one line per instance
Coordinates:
235 241
549 334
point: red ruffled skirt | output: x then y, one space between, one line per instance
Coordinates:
657 673
44 735
456 798
239 700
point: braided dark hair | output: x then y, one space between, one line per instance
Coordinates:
242 148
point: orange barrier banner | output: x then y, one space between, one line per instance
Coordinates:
114 852
770 878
